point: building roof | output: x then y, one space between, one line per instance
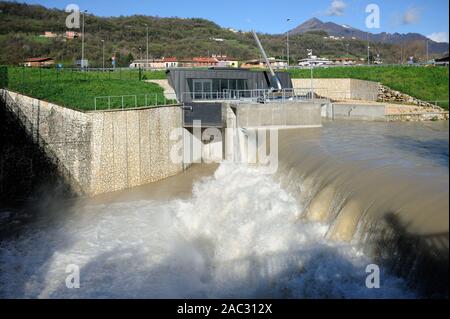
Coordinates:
225 58
39 59
204 60
169 60
155 60
252 62
343 59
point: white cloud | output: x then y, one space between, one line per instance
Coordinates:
439 36
411 15
336 8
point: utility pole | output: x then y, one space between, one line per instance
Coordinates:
401 62
103 55
82 41
428 59
368 49
310 53
287 49
147 48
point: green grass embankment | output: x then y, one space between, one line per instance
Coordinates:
424 83
78 90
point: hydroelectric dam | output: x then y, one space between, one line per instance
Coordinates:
346 195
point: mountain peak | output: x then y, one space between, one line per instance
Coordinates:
314 20
348 32
311 24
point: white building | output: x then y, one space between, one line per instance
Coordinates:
164 63
313 60
226 62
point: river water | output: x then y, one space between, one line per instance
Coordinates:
229 231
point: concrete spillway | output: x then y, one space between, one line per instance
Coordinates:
384 186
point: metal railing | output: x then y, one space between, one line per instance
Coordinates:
134 101
258 95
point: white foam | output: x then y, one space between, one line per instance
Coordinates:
238 236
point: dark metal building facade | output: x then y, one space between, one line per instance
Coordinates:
188 82
203 90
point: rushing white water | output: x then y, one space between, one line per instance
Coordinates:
239 235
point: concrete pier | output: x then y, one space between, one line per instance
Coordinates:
289 114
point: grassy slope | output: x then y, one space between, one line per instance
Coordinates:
78 90
425 83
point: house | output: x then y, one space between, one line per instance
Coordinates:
260 64
164 63
39 62
278 63
199 62
226 62
344 61
49 34
204 62
253 64
72 35
314 60
170 62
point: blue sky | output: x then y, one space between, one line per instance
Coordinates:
428 17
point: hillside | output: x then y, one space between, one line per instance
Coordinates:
427 84
21 26
409 40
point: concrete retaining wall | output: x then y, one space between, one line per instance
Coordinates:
293 114
365 112
341 89
101 152
132 148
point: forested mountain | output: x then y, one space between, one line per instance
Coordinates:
408 39
22 27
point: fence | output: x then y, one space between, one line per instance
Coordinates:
24 75
258 96
134 101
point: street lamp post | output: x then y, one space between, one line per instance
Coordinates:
310 51
103 55
287 45
147 65
82 41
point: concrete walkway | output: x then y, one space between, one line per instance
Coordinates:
169 92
